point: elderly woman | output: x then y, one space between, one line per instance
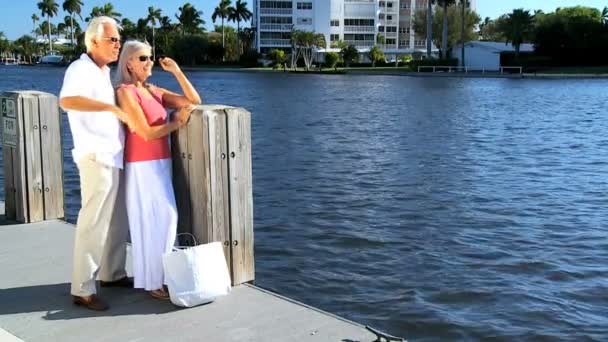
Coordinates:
149 191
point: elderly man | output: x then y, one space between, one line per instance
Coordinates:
95 121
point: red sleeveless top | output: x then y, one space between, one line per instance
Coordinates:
136 148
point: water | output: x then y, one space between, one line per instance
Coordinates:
434 209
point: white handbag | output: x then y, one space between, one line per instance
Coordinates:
196 275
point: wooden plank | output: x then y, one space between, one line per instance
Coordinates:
241 195
52 158
20 165
33 157
9 183
218 156
198 170
179 147
9 127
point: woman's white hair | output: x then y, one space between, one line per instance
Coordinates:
95 30
130 48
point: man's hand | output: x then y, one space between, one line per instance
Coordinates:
122 116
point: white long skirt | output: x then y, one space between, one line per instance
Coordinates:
152 219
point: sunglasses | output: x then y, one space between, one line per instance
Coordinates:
146 58
114 40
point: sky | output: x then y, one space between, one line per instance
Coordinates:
15 20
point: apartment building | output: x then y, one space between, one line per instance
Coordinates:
362 23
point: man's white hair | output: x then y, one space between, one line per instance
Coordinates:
95 30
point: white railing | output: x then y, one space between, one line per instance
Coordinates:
275 42
466 70
359 29
281 11
360 43
276 27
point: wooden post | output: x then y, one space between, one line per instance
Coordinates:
32 154
213 186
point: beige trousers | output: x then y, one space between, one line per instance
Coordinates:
102 228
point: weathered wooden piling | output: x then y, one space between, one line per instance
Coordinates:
32 154
213 186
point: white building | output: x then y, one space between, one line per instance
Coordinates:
356 22
486 55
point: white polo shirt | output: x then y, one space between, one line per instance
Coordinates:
100 133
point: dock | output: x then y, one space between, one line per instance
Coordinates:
35 303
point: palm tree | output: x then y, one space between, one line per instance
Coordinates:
604 16
48 8
247 36
518 27
107 10
222 11
153 16
464 4
444 35
190 18
34 20
239 13
72 7
429 27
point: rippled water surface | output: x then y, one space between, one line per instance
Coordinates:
434 209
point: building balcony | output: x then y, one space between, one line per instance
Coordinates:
276 27
360 43
359 29
276 11
275 42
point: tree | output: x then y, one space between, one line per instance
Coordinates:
35 19
48 8
517 28
305 43
222 11
331 60
490 30
472 19
72 7
605 16
349 54
277 57
247 37
106 10
153 15
26 47
444 34
239 13
376 55
429 27
190 19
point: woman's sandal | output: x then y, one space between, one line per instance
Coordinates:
159 294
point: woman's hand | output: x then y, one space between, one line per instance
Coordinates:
183 115
169 65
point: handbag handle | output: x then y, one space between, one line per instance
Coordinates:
191 236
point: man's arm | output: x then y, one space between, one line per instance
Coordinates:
85 104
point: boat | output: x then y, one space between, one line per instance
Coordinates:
53 58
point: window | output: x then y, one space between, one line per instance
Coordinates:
358 22
389 4
405 5
391 29
380 28
364 37
276 4
403 43
404 29
390 41
304 5
275 20
334 22
334 37
305 21
389 17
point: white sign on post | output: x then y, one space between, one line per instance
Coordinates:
9 122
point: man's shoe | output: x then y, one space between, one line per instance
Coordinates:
91 302
122 282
